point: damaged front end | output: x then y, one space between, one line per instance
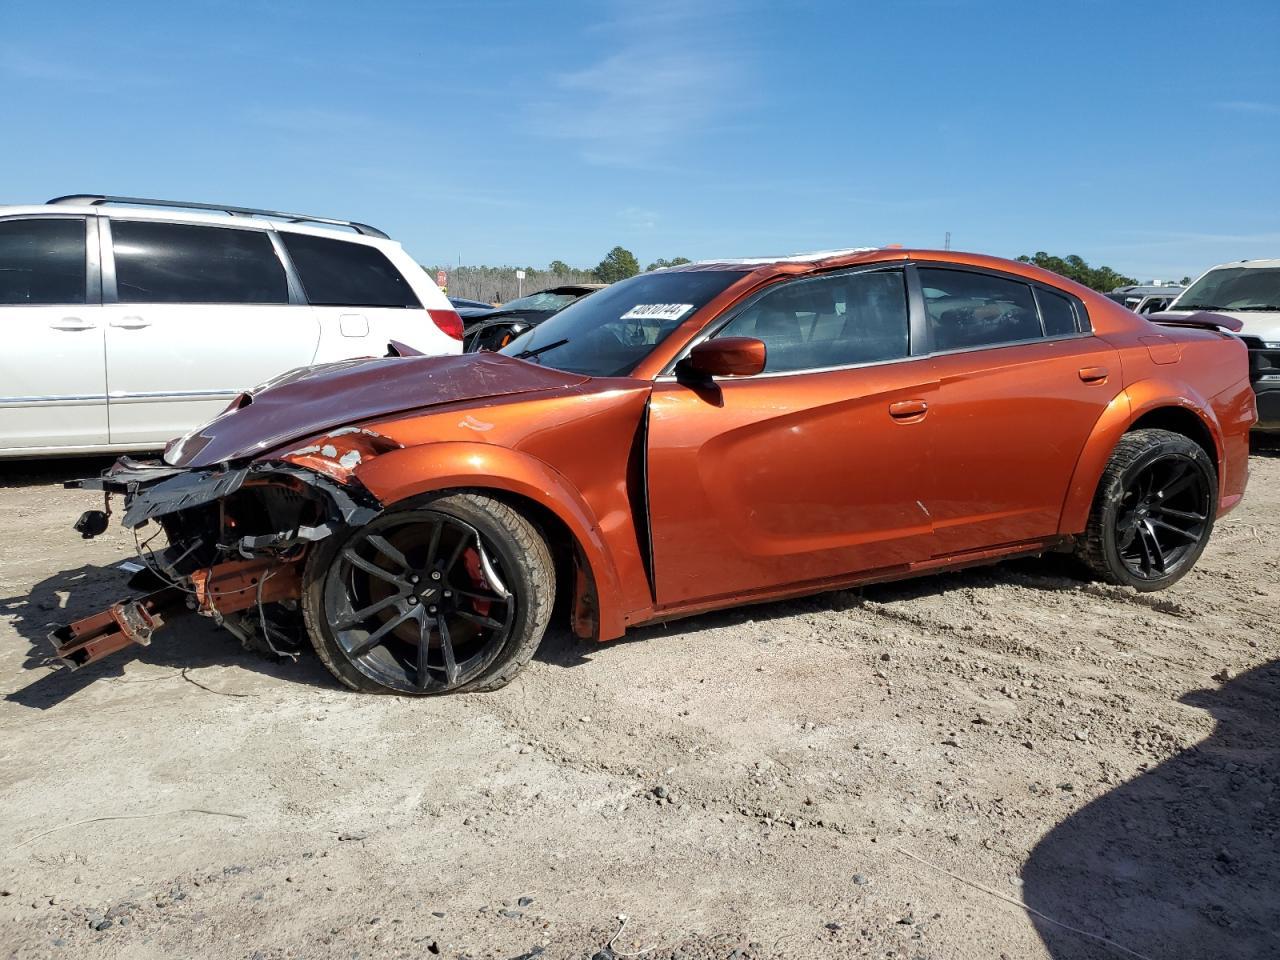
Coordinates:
226 542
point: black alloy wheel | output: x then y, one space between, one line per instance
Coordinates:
1153 512
1163 516
416 602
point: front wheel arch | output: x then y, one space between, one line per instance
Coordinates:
601 603
576 590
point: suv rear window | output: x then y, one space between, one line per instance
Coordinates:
42 261
180 263
335 273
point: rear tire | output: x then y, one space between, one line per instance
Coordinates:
464 576
1153 512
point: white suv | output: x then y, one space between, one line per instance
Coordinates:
1248 290
127 321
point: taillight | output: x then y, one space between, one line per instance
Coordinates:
448 321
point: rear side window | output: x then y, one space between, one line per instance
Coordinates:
968 310
180 263
42 261
335 273
1058 314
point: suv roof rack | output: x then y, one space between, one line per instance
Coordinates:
97 199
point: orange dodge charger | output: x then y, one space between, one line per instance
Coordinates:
693 438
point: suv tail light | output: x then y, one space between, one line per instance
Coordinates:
448 321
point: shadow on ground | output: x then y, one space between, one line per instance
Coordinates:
1184 861
191 643
196 642
24 473
1264 444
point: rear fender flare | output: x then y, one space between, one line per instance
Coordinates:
401 474
1125 409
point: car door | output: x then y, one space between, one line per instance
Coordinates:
1022 381
361 300
807 472
53 387
195 314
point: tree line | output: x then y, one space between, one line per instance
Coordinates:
1102 279
500 284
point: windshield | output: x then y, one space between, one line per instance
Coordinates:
546 300
608 333
1234 288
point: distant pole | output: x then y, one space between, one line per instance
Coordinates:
947 242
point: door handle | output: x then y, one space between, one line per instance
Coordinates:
73 323
131 323
1094 374
908 411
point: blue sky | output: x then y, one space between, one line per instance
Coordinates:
1144 135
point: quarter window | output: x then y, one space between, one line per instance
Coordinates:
1057 313
968 310
180 263
337 273
42 261
830 321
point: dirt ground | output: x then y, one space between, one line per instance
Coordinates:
888 772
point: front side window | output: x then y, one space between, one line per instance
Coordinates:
42 261
967 310
832 321
338 273
160 262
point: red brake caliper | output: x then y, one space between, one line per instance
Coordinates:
471 560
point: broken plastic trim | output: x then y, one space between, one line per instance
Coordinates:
338 453
152 492
267 571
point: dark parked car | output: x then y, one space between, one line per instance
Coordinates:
495 327
1151 298
467 307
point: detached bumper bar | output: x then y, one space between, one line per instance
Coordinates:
225 589
121 624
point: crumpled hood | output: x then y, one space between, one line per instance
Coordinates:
307 401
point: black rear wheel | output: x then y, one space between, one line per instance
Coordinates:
430 599
1153 512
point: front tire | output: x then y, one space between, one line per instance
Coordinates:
449 594
1153 512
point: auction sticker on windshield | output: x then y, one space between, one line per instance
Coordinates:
657 311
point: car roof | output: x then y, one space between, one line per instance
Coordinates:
575 288
190 215
751 263
823 260
1150 290
1248 264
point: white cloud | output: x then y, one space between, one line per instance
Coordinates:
1249 106
637 218
660 85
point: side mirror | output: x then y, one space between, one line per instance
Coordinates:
726 357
